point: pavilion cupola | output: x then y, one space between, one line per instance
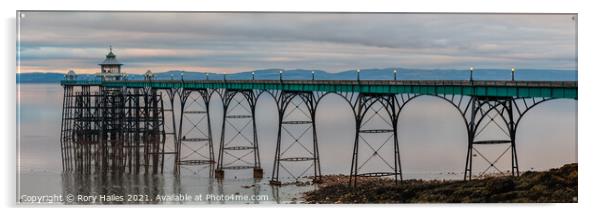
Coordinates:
110 68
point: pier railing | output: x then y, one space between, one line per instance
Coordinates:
554 89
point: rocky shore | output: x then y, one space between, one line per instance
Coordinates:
553 186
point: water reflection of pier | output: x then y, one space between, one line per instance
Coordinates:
116 189
145 188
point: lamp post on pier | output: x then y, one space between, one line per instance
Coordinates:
471 70
513 71
313 75
395 74
253 75
280 75
357 72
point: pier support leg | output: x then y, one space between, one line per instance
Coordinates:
239 147
491 113
195 140
376 118
109 130
219 174
296 121
257 173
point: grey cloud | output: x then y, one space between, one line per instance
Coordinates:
300 40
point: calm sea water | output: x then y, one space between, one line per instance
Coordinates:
432 139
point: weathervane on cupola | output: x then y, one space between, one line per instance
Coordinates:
110 68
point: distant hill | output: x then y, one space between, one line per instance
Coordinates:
303 74
39 77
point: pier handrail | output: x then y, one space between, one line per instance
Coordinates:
498 88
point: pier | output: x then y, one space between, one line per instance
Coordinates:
117 125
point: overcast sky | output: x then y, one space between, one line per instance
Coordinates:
234 42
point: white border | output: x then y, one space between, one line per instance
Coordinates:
589 94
